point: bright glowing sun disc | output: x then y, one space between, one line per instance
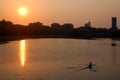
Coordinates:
22 11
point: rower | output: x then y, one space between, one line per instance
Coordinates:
90 65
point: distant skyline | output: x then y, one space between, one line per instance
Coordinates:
77 12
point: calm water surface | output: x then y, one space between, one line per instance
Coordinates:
48 59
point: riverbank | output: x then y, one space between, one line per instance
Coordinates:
5 39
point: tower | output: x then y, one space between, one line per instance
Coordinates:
114 22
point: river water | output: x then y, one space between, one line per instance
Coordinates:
59 59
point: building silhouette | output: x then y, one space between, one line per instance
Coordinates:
56 26
88 25
114 23
36 24
68 26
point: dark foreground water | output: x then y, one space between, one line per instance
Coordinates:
48 59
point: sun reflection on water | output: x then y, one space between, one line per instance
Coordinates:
22 52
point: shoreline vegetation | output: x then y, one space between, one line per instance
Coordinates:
6 39
10 31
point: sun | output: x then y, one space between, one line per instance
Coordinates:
22 11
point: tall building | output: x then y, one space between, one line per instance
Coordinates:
114 22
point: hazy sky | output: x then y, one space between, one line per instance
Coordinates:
99 12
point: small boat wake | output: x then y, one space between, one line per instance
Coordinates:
92 67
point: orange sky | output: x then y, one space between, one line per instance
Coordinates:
99 12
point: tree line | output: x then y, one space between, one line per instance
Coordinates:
7 28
